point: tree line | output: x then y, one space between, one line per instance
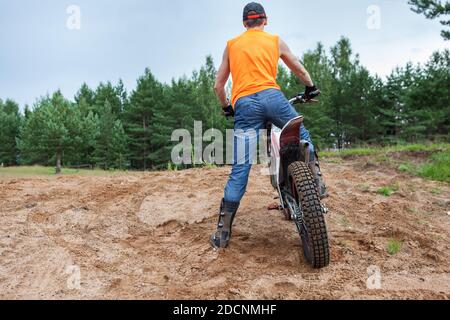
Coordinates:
108 127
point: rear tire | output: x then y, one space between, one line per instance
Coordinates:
313 230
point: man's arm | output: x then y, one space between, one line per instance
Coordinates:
221 80
292 62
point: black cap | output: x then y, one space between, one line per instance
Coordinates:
254 10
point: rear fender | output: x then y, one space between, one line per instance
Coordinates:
291 147
290 134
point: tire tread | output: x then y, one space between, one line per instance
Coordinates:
313 213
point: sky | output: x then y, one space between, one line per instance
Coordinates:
45 47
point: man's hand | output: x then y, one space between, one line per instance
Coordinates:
311 92
228 111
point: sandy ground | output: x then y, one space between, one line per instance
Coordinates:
145 236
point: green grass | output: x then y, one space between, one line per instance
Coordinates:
46 171
209 165
393 246
438 169
350 152
406 167
172 167
383 158
436 191
387 191
368 151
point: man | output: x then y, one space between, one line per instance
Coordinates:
252 59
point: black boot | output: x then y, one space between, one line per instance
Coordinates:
314 166
221 237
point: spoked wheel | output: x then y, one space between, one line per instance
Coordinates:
309 215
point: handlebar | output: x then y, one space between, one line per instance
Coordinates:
301 98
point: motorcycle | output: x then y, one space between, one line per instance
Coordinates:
298 193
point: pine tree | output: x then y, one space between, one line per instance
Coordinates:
206 101
436 84
427 98
317 115
114 96
433 9
119 146
51 132
10 122
89 135
342 67
26 112
85 99
145 100
103 148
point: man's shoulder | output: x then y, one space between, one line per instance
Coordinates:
271 35
263 33
236 38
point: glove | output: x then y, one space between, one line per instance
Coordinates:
311 92
228 111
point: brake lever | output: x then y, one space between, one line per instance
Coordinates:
302 100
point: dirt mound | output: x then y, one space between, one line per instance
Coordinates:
145 235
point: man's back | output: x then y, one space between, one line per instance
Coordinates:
253 60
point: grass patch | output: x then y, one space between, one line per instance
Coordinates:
436 191
407 168
368 151
350 152
387 191
382 158
209 165
438 169
393 246
363 187
418 212
172 167
47 171
343 221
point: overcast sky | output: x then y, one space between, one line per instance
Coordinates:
120 38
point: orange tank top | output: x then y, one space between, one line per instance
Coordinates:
253 57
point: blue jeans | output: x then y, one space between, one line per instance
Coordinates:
253 112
